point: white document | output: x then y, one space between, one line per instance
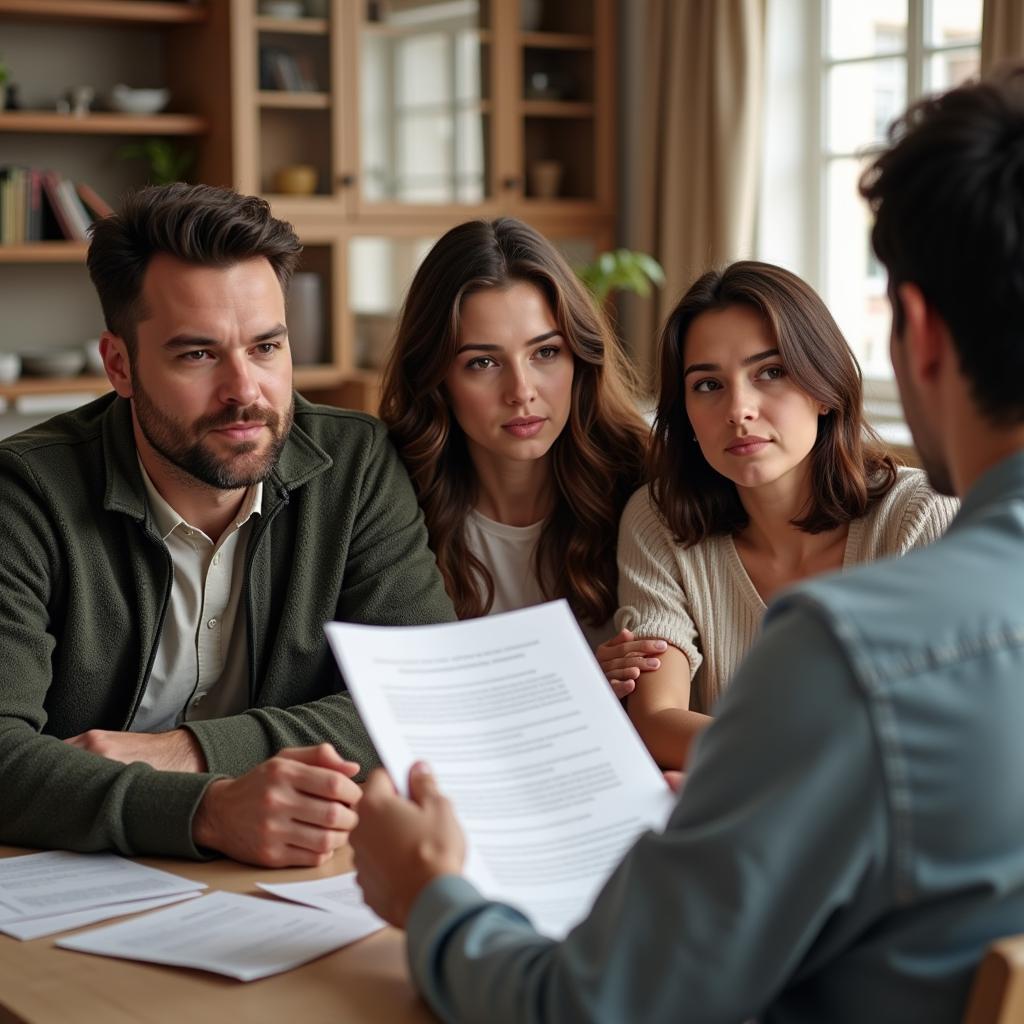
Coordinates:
244 937
338 894
36 927
548 776
60 882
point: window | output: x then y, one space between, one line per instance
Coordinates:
851 68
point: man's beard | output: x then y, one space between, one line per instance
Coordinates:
184 447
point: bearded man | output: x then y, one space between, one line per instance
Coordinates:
173 550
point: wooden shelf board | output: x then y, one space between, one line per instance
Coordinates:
44 252
556 41
283 99
50 122
84 383
556 108
131 12
305 377
309 377
376 28
293 26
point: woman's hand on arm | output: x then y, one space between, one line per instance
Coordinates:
659 710
624 657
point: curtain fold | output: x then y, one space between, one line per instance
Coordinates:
1002 32
698 156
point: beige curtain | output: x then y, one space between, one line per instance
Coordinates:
698 147
1002 32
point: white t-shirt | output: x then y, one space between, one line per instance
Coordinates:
508 554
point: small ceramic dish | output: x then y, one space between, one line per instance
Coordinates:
67 362
127 100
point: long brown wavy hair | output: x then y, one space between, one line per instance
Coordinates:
850 469
597 461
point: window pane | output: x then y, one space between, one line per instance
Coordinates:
863 99
424 113
865 28
945 70
855 281
952 22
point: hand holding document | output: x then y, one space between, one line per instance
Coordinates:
514 715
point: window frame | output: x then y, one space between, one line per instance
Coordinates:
880 392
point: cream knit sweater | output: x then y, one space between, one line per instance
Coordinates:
701 600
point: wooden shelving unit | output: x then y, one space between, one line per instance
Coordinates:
369 192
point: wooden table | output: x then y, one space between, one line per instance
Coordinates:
367 981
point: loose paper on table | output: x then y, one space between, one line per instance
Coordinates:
244 937
549 779
60 882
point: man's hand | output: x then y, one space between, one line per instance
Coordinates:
623 658
293 810
174 751
401 845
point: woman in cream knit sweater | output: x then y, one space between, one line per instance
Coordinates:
763 472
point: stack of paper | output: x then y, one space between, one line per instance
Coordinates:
547 775
43 893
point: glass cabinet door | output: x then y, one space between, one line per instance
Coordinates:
425 117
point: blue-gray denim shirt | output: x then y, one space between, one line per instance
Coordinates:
851 835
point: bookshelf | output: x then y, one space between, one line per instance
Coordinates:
414 116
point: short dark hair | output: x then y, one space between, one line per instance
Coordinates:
948 199
849 466
199 224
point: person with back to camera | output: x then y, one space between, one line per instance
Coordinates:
514 410
763 472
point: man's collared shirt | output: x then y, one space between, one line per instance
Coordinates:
850 837
200 669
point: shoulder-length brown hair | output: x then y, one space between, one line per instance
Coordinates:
850 468
597 460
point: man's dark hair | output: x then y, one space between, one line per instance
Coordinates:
948 198
199 224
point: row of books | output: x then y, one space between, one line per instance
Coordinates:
284 70
38 205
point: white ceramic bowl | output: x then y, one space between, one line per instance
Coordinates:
139 101
66 362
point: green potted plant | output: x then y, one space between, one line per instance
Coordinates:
622 270
4 76
167 162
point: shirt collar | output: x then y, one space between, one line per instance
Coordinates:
167 520
1003 480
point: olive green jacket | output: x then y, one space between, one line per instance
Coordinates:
84 583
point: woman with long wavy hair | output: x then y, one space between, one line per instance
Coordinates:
513 408
762 472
